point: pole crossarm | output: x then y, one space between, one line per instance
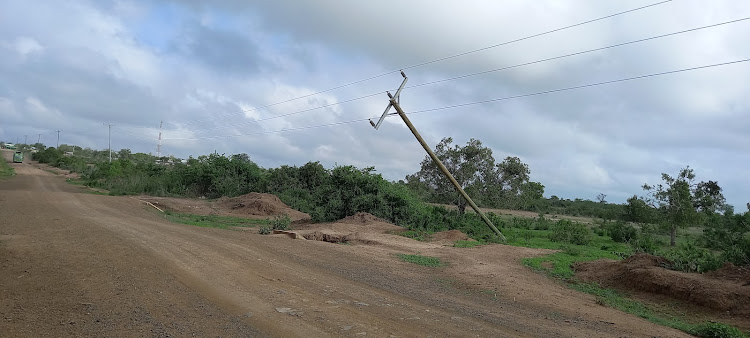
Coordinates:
394 102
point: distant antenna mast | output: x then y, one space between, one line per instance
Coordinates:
158 147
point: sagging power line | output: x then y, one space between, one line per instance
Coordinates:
421 64
479 73
478 102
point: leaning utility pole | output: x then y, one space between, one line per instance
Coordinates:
394 102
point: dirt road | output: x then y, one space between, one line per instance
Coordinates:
78 264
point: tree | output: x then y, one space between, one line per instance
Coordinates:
475 170
602 198
638 211
682 202
124 154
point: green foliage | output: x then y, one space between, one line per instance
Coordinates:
681 202
690 258
213 221
647 243
504 184
415 234
579 207
621 232
5 169
428 261
466 244
265 229
281 222
729 233
571 232
716 330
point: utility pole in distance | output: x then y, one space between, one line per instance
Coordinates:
109 141
395 104
58 139
38 138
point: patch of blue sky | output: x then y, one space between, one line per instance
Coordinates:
160 26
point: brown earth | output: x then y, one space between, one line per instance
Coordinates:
725 292
252 205
79 264
450 236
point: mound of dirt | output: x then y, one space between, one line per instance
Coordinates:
732 273
450 236
362 218
330 238
257 204
646 273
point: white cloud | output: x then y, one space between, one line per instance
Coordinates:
203 68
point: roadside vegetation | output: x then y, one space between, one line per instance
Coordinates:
214 221
5 169
684 221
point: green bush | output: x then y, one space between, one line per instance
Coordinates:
716 330
281 222
621 232
571 232
690 258
265 229
647 242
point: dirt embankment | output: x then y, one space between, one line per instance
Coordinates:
725 291
252 205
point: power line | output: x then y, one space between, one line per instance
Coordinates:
445 58
480 73
479 102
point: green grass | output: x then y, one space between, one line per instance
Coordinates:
6 170
419 235
86 189
214 221
432 262
559 265
466 244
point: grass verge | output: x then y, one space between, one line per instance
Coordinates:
432 262
5 169
82 183
214 221
559 265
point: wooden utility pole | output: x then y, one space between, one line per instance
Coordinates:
395 104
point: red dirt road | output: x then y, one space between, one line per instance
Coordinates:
77 264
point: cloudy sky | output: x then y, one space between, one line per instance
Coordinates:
246 77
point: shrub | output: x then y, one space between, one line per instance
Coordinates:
265 229
646 242
621 232
572 250
281 222
716 330
571 232
690 258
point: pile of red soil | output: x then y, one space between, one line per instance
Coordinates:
258 204
646 273
450 235
362 218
